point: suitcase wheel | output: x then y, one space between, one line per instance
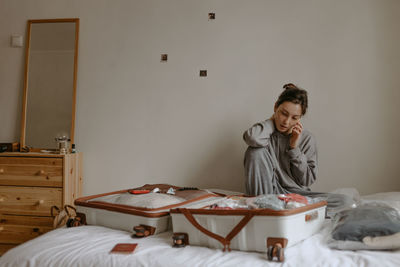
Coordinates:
275 251
275 247
280 254
143 230
180 240
269 253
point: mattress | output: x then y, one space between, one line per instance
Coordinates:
89 246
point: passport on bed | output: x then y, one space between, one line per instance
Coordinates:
124 248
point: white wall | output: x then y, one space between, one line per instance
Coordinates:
142 121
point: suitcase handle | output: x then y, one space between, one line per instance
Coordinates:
311 216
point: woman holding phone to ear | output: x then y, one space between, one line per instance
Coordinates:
282 155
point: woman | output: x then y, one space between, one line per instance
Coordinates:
282 156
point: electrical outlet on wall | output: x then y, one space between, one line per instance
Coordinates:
203 73
164 57
211 16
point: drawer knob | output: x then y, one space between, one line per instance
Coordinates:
1 199
41 172
1 228
40 202
1 171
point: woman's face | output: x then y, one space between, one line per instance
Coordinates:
286 116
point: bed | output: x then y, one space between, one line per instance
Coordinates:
88 246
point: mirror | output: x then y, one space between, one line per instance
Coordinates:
50 83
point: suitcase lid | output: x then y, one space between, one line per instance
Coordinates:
149 204
255 212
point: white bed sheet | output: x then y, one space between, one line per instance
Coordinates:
88 246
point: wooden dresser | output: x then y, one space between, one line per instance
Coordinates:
30 183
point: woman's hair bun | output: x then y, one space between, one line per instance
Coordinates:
290 86
293 94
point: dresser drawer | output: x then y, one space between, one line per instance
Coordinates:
29 200
31 171
18 229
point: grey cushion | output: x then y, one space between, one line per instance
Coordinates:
366 220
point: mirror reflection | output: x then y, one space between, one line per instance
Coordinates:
50 85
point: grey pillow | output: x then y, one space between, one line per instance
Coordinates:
365 220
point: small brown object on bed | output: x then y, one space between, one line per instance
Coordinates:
124 248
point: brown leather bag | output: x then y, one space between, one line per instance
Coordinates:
66 217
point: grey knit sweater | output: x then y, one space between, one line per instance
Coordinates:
297 168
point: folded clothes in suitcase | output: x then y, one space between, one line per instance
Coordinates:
247 229
144 210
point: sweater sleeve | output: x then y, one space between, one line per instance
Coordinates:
303 161
259 134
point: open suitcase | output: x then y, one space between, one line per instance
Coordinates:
140 209
262 230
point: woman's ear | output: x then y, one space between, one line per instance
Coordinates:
275 107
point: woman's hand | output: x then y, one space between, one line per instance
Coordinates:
296 133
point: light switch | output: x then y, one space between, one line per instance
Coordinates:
16 41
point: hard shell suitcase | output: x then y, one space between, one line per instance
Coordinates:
262 230
139 209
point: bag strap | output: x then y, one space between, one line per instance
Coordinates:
243 222
225 241
193 221
52 210
66 209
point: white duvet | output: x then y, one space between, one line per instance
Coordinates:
88 246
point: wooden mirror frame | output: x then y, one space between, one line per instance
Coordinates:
23 147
